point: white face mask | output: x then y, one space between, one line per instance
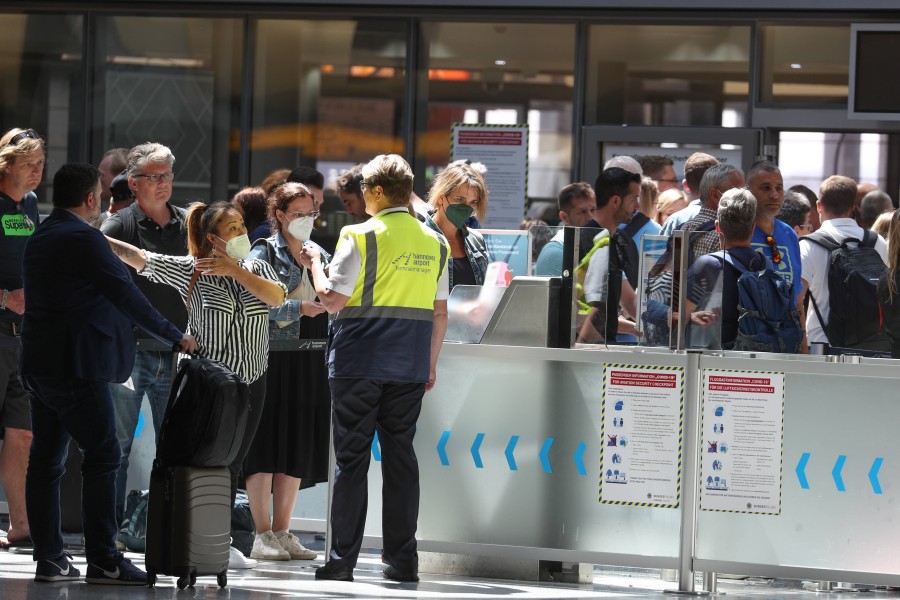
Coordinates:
238 247
301 228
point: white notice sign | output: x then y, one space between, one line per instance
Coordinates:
504 151
742 433
642 409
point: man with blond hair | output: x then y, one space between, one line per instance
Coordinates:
22 160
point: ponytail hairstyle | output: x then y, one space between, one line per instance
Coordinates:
203 220
893 255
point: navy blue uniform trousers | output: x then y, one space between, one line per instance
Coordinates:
360 407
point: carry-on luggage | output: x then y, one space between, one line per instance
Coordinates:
205 417
188 523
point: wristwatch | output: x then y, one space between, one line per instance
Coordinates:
4 299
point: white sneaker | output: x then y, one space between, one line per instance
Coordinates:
236 559
292 546
266 547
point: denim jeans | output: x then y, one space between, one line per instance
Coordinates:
151 375
61 408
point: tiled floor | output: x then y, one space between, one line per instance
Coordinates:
295 579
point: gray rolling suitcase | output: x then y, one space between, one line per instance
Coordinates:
188 523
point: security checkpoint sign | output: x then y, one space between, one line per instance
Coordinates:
743 436
643 411
503 149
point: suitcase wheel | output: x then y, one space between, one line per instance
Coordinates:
222 579
182 583
151 578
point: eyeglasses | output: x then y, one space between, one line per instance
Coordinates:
666 181
154 178
776 255
365 184
300 214
28 133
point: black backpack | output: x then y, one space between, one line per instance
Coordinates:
853 273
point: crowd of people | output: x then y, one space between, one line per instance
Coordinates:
224 279
221 280
827 253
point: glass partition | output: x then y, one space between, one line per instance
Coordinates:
176 81
668 74
43 85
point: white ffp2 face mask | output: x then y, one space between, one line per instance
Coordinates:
238 247
301 228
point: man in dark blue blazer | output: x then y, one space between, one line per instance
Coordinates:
77 336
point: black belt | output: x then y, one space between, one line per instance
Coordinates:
10 329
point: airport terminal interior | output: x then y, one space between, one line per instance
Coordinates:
533 485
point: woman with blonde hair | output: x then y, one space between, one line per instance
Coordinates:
668 203
457 193
889 286
228 299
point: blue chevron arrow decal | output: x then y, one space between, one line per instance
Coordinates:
579 458
376 449
545 455
476 446
836 473
510 448
801 470
140 426
441 448
873 475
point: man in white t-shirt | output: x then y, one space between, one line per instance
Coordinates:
837 199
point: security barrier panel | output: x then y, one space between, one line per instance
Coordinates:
833 514
509 445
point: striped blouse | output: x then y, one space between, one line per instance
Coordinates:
230 324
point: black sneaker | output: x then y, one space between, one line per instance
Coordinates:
335 572
56 569
401 576
116 570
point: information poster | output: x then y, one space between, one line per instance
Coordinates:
642 420
503 149
741 445
510 247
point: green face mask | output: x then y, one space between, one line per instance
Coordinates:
458 214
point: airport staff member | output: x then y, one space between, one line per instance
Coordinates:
388 287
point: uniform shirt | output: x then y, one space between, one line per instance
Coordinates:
18 221
344 269
815 271
231 325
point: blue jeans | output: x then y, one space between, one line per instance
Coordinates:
61 408
151 375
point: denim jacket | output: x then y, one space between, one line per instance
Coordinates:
476 251
274 250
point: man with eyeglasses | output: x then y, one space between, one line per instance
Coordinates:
660 169
150 223
21 169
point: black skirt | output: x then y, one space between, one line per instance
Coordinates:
293 433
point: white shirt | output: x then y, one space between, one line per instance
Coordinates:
815 260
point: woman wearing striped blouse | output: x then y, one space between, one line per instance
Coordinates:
228 307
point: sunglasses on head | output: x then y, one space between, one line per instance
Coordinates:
28 133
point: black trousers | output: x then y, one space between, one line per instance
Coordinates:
359 408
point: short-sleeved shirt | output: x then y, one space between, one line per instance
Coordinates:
815 271
790 266
18 221
169 239
676 220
